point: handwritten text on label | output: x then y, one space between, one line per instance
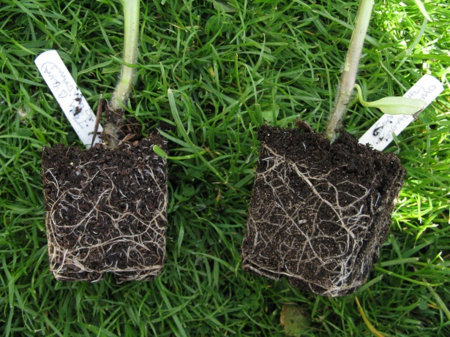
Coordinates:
69 97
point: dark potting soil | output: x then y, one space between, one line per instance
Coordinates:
319 211
106 210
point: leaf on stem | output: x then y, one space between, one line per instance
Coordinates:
394 105
398 105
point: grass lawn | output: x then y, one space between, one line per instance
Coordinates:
231 67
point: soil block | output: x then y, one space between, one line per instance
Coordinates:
319 211
106 210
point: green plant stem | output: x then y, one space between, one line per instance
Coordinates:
360 96
350 68
131 24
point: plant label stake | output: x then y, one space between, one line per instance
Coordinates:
380 135
68 96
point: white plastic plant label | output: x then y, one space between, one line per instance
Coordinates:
381 133
69 97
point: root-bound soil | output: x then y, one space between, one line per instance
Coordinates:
106 210
319 211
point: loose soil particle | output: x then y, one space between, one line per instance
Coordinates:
319 211
106 210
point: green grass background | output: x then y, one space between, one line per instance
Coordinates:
231 67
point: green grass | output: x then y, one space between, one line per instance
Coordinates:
230 68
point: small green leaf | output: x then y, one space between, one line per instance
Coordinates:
393 105
271 114
423 305
294 320
188 190
160 152
398 105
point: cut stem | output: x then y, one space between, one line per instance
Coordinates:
350 68
131 34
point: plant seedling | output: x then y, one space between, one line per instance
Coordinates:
321 206
106 207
